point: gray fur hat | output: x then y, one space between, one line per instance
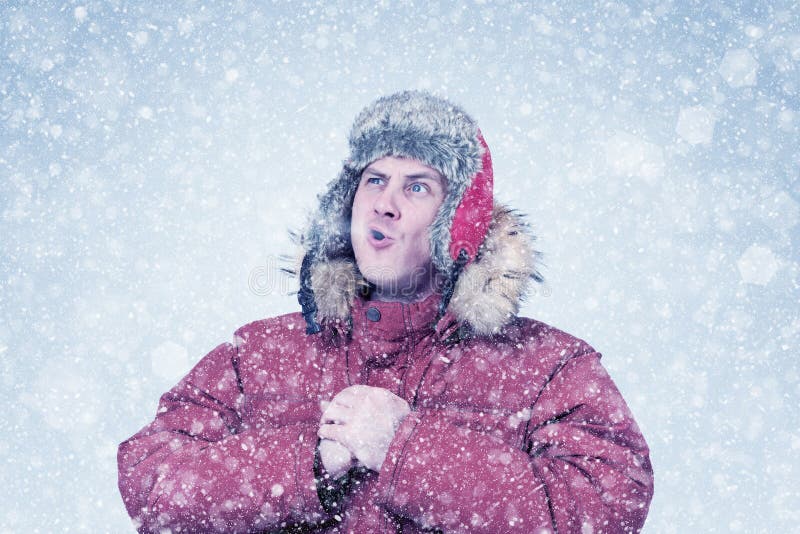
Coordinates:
411 124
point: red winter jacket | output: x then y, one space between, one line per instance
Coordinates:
521 431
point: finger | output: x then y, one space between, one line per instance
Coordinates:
336 414
335 433
341 400
335 457
352 394
331 444
328 446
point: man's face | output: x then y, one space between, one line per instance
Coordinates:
396 201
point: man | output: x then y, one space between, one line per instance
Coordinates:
407 396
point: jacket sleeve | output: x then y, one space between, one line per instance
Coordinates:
199 467
581 466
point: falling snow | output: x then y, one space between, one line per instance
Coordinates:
169 361
152 157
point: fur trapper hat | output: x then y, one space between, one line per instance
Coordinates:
484 252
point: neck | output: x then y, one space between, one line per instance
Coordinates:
405 297
409 292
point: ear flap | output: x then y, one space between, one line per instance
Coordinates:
490 290
474 213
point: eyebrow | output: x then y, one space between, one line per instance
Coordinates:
423 175
416 176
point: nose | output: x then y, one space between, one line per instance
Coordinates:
386 205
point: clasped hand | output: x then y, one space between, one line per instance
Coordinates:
358 425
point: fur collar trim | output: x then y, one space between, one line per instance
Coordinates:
487 295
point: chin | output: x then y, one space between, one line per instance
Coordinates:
386 281
381 276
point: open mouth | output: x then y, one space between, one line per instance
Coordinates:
378 239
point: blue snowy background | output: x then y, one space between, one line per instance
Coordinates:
153 154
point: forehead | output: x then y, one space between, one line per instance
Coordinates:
404 167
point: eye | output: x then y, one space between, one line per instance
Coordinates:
374 180
418 188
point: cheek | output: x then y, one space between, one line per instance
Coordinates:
359 199
423 236
357 212
422 247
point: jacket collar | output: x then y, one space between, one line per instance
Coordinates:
395 320
382 332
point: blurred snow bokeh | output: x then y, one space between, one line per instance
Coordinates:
739 68
696 125
152 157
